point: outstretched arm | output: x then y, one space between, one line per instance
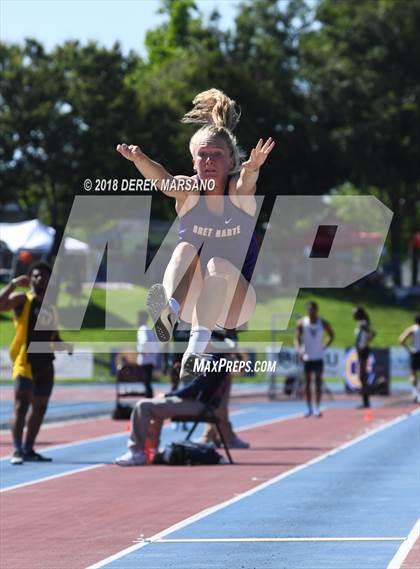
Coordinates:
247 183
150 169
298 339
330 333
405 336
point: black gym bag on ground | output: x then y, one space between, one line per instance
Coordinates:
188 453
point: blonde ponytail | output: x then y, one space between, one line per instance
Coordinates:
214 108
219 114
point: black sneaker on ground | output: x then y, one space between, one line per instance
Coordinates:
33 456
17 457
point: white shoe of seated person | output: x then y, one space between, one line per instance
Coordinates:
236 442
132 458
190 365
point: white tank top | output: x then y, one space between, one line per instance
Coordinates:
313 339
416 338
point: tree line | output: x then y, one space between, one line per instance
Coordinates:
336 83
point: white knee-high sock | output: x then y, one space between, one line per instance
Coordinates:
199 338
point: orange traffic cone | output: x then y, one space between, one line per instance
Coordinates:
128 427
368 416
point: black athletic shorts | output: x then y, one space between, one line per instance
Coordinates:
42 381
314 365
415 361
363 353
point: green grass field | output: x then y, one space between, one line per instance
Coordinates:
335 306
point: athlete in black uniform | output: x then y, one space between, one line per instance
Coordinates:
364 335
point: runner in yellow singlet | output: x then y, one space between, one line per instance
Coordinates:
33 373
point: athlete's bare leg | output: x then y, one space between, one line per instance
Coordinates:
308 391
363 376
38 409
415 387
193 293
318 393
20 409
226 299
318 388
164 301
178 273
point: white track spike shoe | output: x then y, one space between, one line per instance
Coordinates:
163 317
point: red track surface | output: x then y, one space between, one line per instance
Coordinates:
71 522
412 561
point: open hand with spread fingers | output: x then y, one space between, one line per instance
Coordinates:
131 152
259 154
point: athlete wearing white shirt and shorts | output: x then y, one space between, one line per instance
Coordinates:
309 343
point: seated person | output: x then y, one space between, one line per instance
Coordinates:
148 414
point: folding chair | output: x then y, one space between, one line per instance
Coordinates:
293 386
129 374
207 416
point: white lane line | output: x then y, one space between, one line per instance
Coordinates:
271 539
213 509
405 547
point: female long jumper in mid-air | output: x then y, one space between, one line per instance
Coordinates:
207 281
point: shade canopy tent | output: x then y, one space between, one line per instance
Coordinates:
36 237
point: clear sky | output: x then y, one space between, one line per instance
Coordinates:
54 21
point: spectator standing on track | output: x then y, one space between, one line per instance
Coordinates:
147 350
364 335
413 332
309 343
33 373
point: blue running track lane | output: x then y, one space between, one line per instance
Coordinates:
369 489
